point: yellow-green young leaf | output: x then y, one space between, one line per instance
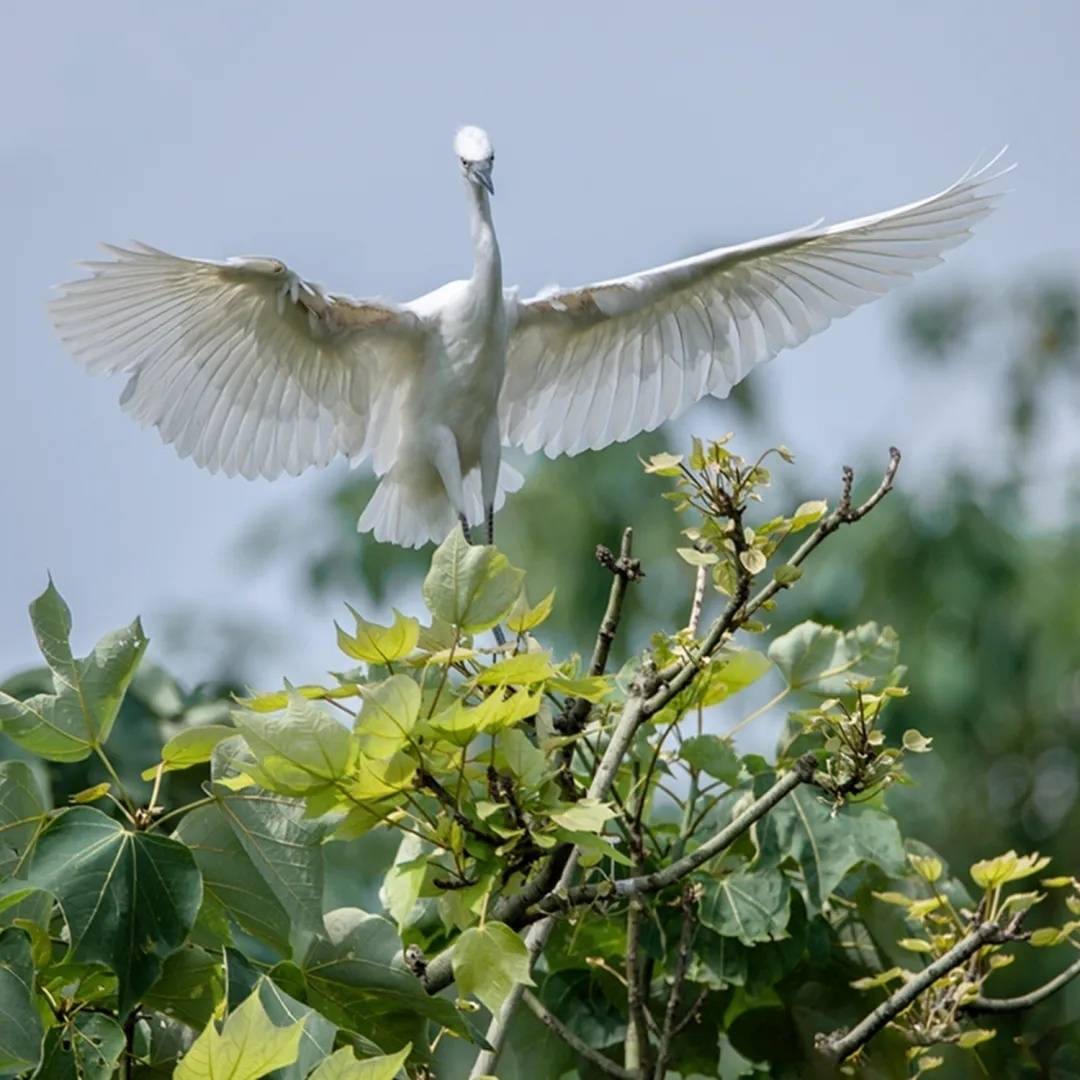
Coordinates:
92 794
808 513
489 962
588 815
523 618
697 558
344 1065
914 944
300 751
753 560
377 644
192 746
376 779
730 673
664 465
524 669
590 687
388 716
247 1047
992 873
276 700
1046 936
974 1037
893 898
1056 882
929 1062
401 886
470 586
787 574
926 866
916 742
883 979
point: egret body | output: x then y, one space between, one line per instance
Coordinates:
251 370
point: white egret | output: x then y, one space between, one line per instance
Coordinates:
251 370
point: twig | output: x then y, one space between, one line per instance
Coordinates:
840 1045
701 579
682 963
1025 1001
579 1046
637 1050
802 773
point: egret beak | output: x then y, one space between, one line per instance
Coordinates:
481 172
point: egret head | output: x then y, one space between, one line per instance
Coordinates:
473 148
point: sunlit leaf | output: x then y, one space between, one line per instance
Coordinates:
192 746
524 669
822 660
489 961
523 618
470 586
377 644
78 716
345 1065
388 716
587 815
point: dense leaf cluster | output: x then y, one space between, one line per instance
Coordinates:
592 843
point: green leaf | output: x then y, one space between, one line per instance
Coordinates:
20 1032
299 751
713 755
664 464
916 742
355 976
523 618
826 845
344 1065
388 716
22 815
247 1047
587 815
974 1036
86 1046
488 962
68 724
524 669
822 660
379 644
192 746
753 560
787 574
191 986
230 878
729 674
697 558
129 898
317 1041
470 586
752 905
515 752
808 513
401 885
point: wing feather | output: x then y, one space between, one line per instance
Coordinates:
240 364
599 364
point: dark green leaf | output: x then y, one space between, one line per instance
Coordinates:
191 986
20 1032
86 1046
22 812
822 660
751 905
713 755
129 898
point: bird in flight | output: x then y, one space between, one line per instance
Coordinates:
248 369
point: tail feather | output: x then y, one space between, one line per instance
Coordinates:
412 515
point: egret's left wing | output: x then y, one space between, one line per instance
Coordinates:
590 366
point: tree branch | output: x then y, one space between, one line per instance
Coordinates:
840 1045
579 1046
688 904
1029 1000
802 773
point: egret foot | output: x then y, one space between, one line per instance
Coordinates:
491 526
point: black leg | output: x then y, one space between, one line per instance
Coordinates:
466 531
491 525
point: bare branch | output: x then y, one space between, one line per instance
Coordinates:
701 580
1029 1000
579 1046
840 1045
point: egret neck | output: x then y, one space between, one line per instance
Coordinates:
487 263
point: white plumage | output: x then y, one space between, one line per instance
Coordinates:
250 370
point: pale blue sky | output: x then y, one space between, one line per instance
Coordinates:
627 134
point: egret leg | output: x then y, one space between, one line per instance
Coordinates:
490 459
466 531
490 524
444 455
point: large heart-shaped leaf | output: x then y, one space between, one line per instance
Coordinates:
826 844
284 846
469 586
355 975
230 878
823 660
22 815
344 1065
489 961
20 1032
70 723
751 906
129 898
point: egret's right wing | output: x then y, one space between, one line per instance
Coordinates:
240 364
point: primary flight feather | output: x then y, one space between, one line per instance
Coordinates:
249 369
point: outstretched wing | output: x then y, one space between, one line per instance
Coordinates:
591 366
240 364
